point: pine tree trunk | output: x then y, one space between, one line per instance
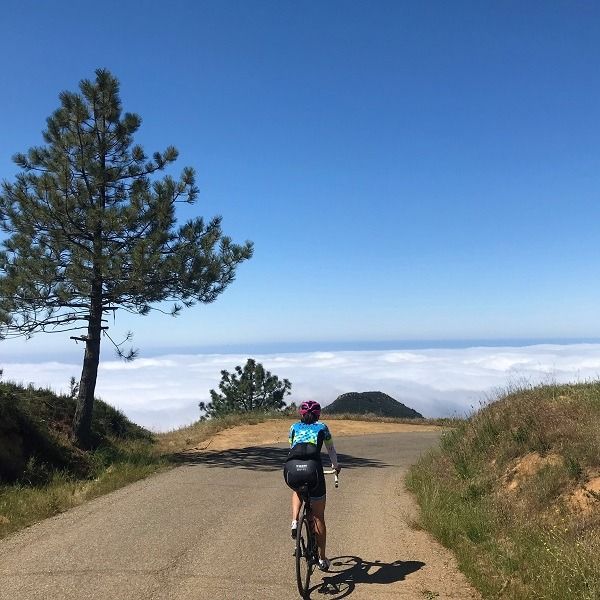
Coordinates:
82 425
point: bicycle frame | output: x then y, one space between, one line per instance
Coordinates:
307 552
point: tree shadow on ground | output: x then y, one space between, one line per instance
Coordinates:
263 458
347 572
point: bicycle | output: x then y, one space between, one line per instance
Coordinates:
307 551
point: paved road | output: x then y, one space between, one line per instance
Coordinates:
217 527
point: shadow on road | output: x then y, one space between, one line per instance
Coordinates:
347 572
264 458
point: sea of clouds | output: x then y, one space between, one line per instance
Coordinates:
163 392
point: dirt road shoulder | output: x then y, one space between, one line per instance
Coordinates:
276 432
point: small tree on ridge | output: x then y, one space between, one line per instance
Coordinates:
247 389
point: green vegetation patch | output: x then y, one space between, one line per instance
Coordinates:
511 491
42 472
36 435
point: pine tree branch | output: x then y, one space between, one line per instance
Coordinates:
82 171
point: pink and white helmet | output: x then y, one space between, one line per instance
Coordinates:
310 406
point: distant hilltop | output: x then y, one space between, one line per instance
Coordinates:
376 403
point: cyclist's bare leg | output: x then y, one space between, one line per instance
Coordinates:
296 505
318 511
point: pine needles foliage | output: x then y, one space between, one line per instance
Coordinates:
247 389
91 229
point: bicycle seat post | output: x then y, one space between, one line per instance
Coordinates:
303 491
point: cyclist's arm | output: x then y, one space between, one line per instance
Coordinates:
330 448
332 454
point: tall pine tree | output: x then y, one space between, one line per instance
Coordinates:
91 231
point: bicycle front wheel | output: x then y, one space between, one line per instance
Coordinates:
304 558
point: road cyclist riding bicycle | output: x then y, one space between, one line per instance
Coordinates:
303 466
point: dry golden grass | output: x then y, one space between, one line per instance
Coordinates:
197 434
192 436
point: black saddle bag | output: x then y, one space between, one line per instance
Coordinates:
299 472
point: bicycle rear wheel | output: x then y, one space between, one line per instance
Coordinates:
304 555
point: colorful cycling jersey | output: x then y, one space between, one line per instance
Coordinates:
313 433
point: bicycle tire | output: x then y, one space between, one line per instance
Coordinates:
304 551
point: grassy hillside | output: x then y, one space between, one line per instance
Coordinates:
42 472
374 403
515 491
35 430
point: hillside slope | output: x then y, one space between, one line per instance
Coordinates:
376 403
35 434
515 491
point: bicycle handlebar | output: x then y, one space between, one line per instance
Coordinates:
332 472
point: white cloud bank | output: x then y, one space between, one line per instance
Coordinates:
163 392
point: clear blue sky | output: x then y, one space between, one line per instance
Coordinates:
406 170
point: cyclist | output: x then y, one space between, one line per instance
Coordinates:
303 466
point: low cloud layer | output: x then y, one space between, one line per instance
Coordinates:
163 392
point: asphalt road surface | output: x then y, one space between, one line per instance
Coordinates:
218 527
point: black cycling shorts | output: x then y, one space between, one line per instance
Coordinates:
298 472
